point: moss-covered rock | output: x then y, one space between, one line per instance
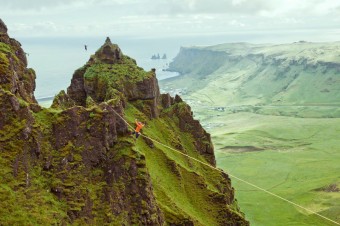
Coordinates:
62 101
110 74
15 76
76 162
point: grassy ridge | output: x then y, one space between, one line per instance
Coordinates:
183 187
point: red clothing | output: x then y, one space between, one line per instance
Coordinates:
139 126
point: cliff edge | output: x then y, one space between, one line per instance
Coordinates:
77 163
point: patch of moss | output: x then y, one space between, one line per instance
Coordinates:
11 130
45 118
5 48
28 205
111 80
90 102
115 73
4 62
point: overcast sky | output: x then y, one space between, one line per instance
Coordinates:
155 18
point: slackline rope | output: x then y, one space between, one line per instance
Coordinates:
237 178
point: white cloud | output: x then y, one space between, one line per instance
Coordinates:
35 4
165 17
237 23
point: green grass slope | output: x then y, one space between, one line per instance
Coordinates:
184 188
291 157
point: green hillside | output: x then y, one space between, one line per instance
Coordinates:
183 187
298 74
274 115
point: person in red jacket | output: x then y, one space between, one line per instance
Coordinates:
139 126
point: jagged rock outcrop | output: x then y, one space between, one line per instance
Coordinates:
109 53
63 101
110 74
15 76
76 163
187 123
3 27
202 61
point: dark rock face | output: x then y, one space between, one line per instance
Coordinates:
131 86
109 53
3 27
15 76
188 124
76 90
145 90
138 188
166 100
95 136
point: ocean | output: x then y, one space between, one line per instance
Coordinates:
56 58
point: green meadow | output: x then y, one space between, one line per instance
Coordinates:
295 158
274 115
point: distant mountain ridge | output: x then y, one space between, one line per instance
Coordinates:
300 73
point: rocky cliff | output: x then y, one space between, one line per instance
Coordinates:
77 163
202 61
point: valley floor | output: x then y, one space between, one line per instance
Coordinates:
292 151
298 159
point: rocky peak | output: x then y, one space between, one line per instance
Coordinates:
3 27
108 40
110 74
108 53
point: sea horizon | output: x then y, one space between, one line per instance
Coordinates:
55 59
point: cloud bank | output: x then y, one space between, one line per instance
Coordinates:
166 17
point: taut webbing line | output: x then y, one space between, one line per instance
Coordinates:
237 178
